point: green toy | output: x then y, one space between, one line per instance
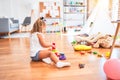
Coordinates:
74 42
94 52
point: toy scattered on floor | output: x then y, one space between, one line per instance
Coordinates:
107 54
74 42
112 69
82 47
99 55
81 65
104 42
82 52
94 52
62 56
90 51
95 40
81 43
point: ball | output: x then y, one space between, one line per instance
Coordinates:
112 69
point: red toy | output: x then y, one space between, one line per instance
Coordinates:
54 50
82 52
53 46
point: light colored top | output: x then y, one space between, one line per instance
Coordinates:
35 45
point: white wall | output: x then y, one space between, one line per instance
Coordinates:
21 8
5 8
14 8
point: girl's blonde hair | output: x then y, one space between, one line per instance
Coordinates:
38 26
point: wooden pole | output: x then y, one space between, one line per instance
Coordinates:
116 33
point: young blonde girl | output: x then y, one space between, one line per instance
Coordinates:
41 50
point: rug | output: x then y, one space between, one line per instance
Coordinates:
16 35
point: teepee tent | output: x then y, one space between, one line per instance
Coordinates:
99 20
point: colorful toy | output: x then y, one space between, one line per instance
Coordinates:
89 51
81 65
107 54
57 54
53 46
54 50
62 56
82 52
99 55
112 69
94 52
82 47
74 42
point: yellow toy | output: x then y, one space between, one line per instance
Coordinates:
107 54
82 47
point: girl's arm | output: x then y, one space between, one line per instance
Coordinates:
42 41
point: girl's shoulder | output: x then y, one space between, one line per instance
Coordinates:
35 33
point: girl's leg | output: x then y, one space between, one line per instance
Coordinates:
46 53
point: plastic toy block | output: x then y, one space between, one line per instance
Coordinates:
62 56
81 65
94 52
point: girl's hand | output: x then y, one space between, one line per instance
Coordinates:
50 48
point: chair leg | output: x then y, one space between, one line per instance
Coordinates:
23 29
9 34
19 31
26 28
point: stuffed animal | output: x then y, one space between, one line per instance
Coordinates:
88 40
96 41
104 42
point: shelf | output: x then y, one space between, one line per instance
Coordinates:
74 6
74 13
52 18
72 20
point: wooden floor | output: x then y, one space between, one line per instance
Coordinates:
15 62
